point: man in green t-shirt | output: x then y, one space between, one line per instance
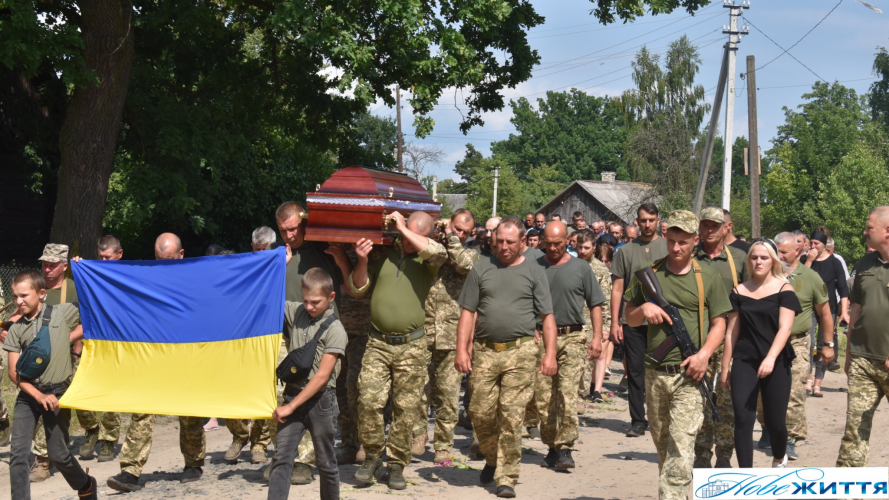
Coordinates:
395 358
673 394
867 350
731 264
810 291
509 295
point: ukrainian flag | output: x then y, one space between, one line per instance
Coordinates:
192 337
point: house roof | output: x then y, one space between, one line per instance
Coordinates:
621 198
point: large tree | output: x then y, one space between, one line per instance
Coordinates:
879 90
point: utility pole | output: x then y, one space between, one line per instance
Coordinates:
734 37
753 167
496 177
400 136
711 135
434 188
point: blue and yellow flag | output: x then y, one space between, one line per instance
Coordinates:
192 337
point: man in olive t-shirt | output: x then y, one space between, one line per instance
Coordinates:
673 394
867 350
510 295
649 246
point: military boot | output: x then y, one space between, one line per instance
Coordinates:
258 456
40 470
88 448
124 482
106 451
233 451
396 477
418 444
302 474
367 472
5 431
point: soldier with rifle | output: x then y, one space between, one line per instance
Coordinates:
679 347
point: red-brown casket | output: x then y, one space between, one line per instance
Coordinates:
354 202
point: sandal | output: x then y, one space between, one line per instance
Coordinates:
809 387
816 392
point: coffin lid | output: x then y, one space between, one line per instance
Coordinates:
356 180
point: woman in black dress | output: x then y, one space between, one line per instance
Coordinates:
757 343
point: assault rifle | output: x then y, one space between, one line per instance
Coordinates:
678 334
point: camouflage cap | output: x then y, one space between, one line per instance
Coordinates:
54 252
683 220
714 214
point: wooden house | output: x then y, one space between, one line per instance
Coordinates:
608 199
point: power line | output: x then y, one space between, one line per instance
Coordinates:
786 50
798 41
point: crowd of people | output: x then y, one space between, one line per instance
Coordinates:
528 315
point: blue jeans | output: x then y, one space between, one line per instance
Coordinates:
318 415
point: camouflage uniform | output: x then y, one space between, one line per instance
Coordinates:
258 435
137 444
501 385
442 315
536 410
723 434
603 276
192 441
797 426
868 384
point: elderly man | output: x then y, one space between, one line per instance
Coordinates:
674 399
529 220
442 314
396 351
503 299
810 291
867 349
489 248
647 247
262 238
731 264
616 229
137 444
572 286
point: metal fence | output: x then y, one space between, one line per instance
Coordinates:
7 271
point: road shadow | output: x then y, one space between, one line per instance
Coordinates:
633 455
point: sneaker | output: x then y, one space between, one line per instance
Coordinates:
596 397
723 463
565 460
88 492
608 371
360 455
124 482
624 385
258 457
441 457
418 444
637 430
396 477
40 470
302 474
764 443
106 451
534 433
487 475
550 459
791 449
233 451
88 448
701 463
505 492
780 465
367 472
191 474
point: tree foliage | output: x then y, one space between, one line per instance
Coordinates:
370 143
879 90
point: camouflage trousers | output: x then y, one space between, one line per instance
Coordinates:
109 430
137 444
192 441
675 414
535 411
560 422
722 433
401 369
586 372
258 434
501 383
868 384
443 389
797 425
347 391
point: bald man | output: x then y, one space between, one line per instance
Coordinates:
137 444
573 286
442 314
489 248
396 350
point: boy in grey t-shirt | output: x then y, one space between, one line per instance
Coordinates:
310 404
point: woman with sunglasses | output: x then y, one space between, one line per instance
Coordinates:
757 354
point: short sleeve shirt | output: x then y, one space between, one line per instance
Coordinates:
65 318
573 287
633 256
810 291
54 295
301 329
681 291
310 254
509 299
869 337
722 266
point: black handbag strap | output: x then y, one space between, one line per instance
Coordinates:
324 326
47 317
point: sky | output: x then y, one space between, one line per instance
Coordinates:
578 52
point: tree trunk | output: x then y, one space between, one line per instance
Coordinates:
89 132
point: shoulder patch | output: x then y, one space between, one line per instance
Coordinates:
823 288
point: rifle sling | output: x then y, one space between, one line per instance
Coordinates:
731 264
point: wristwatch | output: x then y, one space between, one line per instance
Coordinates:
829 344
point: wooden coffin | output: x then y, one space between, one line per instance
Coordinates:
354 202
